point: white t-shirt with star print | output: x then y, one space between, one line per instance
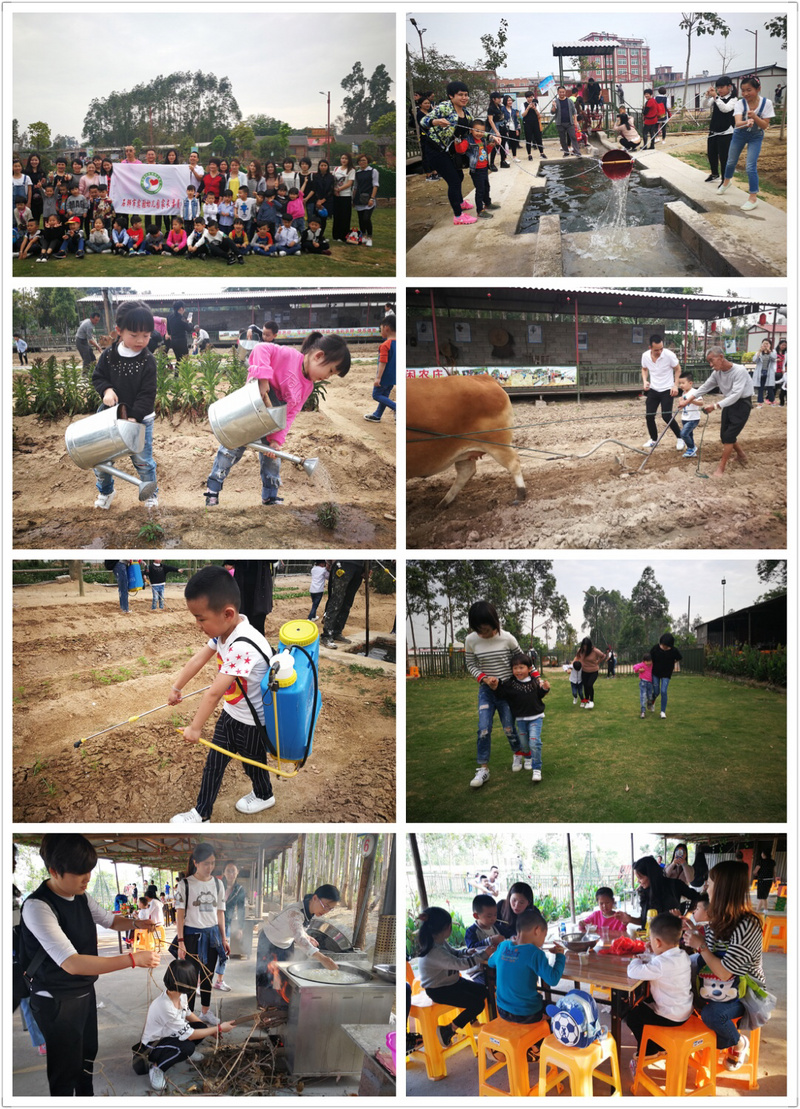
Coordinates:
245 662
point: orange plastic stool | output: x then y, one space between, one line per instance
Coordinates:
513 1040
691 1044
748 1071
144 939
771 923
579 1065
429 1015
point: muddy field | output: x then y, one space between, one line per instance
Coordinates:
600 502
53 498
80 666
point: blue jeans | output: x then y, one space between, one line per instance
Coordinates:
718 1016
158 596
315 599
530 739
762 385
488 704
285 249
37 1039
577 689
143 462
660 687
646 695
380 393
687 432
752 139
121 574
226 459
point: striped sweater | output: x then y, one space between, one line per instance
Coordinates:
741 953
490 658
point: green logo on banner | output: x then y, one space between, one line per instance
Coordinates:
152 183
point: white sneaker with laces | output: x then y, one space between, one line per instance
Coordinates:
223 986
481 777
196 1057
210 1018
190 817
679 445
663 716
103 500
158 1079
516 763
537 776
590 704
649 444
528 764
574 700
252 804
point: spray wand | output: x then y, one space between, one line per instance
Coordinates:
133 719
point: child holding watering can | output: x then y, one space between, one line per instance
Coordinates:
242 654
289 376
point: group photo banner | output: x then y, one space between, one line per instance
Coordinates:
145 188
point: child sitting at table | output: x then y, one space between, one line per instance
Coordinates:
604 915
519 963
439 970
669 972
484 910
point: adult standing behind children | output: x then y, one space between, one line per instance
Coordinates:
58 953
590 658
488 651
344 177
736 385
447 123
242 656
721 99
660 372
364 196
764 366
125 375
532 125
85 340
565 114
763 872
179 330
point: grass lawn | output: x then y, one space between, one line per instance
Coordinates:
346 261
700 161
719 755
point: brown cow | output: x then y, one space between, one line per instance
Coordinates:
473 407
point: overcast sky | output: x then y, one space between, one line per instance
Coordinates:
680 578
530 38
277 63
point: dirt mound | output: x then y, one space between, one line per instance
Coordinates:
600 502
53 498
80 666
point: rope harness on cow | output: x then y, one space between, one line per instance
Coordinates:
552 455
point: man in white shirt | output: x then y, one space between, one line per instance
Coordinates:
736 386
660 372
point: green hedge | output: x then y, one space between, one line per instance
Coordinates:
387 181
748 662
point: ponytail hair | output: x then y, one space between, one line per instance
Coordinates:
333 347
199 854
433 923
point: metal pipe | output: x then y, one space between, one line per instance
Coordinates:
308 464
146 488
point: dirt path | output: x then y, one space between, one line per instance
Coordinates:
597 502
80 665
53 498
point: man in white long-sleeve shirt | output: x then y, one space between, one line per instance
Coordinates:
736 386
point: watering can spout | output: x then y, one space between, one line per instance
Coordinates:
310 465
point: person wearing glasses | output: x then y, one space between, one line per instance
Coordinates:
286 934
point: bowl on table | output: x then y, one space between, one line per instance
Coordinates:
579 941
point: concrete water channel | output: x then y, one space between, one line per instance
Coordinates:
699 232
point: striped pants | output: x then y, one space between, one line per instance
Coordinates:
242 739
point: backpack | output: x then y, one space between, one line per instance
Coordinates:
575 1020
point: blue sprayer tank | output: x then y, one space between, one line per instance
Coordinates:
298 698
135 579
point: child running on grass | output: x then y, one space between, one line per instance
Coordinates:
646 696
285 376
488 657
525 693
242 654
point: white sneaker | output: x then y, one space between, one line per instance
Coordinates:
679 445
749 205
537 776
590 704
252 804
368 242
158 1079
516 763
528 764
663 716
223 986
190 817
574 700
481 776
210 1018
649 444
151 502
196 1057
103 500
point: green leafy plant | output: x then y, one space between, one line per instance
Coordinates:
328 515
388 706
151 532
318 394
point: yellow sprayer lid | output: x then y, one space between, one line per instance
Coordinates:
284 683
298 633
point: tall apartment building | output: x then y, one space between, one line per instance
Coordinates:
633 57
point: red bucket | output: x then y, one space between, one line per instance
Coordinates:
616 165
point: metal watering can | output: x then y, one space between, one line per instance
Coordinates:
96 441
241 418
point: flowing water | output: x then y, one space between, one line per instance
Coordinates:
322 478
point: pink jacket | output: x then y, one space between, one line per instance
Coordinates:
177 239
296 208
282 367
644 670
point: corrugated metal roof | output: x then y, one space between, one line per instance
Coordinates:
356 292
734 73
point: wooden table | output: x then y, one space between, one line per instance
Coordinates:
608 972
376 1079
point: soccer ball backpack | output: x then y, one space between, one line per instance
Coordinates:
575 1020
